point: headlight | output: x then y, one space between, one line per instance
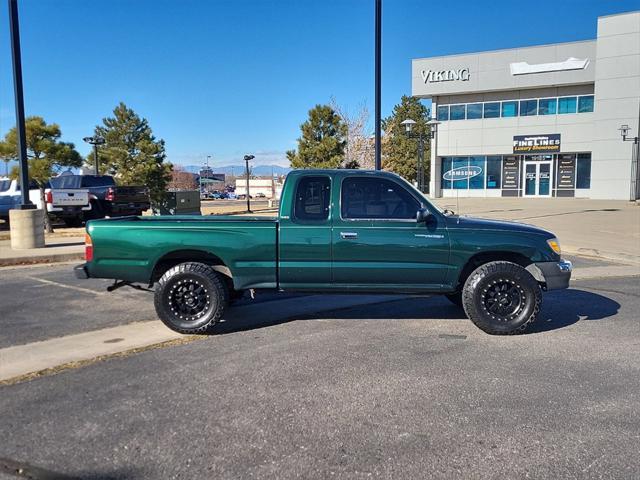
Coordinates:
554 244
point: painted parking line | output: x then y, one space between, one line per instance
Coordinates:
64 285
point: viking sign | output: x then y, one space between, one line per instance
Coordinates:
536 143
434 76
462 173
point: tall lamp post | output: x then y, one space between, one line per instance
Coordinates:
635 160
19 100
246 160
95 141
378 80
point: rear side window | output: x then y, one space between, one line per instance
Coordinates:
377 198
312 199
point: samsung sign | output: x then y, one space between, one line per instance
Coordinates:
462 173
435 76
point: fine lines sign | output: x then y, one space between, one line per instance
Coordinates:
549 143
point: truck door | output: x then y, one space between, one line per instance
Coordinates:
377 242
305 234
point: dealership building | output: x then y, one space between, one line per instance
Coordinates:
539 121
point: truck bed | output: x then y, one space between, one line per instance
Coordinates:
246 245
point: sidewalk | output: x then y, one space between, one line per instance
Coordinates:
61 249
600 228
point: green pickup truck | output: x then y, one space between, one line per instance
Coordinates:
338 231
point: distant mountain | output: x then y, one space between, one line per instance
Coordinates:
258 170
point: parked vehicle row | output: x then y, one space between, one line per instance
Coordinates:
75 199
69 205
107 198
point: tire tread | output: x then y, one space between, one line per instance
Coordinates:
488 269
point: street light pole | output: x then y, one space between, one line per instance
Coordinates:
635 161
378 58
246 159
95 141
19 99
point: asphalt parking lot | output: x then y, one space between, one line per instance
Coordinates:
47 301
406 388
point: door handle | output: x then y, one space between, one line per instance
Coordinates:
349 235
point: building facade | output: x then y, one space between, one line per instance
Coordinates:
538 121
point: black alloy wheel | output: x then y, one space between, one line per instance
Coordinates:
501 298
191 297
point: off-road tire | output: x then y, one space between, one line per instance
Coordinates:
191 297
455 298
512 287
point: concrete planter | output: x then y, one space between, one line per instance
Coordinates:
27 229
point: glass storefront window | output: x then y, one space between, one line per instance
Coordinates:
477 181
528 108
493 172
446 166
567 105
443 112
460 162
457 112
548 106
509 109
583 170
474 110
492 110
585 104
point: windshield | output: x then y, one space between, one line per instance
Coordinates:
4 185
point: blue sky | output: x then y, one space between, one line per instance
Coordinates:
226 77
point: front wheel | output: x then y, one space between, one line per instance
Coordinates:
501 298
191 297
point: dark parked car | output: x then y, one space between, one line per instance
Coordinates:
107 198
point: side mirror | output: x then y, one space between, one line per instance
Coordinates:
423 215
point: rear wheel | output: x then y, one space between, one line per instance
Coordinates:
191 297
501 298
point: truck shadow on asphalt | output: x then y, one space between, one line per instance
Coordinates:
560 309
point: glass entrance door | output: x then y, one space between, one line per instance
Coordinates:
537 179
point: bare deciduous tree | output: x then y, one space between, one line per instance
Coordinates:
181 180
359 151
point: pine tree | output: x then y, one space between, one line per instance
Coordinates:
46 154
131 152
400 152
323 140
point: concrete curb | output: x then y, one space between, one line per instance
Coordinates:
600 255
32 260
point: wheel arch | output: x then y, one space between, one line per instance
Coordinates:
171 259
485 257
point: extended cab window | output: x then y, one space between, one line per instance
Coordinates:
312 199
376 198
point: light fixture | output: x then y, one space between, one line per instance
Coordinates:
408 124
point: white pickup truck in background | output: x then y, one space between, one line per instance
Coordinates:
69 205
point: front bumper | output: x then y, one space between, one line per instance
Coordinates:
80 271
555 275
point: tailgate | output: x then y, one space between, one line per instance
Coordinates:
132 194
69 198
